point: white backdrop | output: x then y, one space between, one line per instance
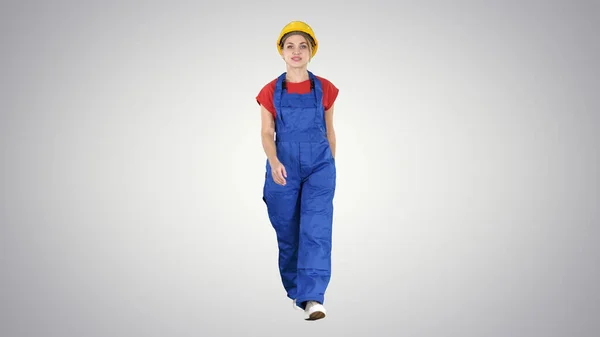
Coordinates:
131 168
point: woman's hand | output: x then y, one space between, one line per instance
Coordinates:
279 173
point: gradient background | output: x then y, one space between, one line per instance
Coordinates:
132 169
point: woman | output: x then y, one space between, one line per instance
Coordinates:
300 179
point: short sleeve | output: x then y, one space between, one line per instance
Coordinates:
330 93
265 97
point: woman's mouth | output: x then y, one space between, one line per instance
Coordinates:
295 58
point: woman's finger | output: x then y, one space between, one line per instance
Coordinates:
282 175
276 177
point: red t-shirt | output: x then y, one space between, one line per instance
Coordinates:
265 96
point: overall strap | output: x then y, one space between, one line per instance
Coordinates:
318 92
277 97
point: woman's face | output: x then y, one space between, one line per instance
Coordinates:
296 51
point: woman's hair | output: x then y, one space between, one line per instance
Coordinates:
308 38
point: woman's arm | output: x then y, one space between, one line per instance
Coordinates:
330 129
268 134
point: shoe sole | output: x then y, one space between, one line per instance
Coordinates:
316 316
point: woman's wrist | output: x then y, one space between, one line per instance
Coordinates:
273 160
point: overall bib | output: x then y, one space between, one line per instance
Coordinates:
301 212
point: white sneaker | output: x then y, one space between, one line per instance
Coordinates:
314 311
296 306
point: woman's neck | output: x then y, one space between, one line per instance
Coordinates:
295 75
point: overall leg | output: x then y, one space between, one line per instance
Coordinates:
284 215
316 218
283 203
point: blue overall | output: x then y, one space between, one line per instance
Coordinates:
301 212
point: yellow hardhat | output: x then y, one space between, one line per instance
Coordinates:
298 26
